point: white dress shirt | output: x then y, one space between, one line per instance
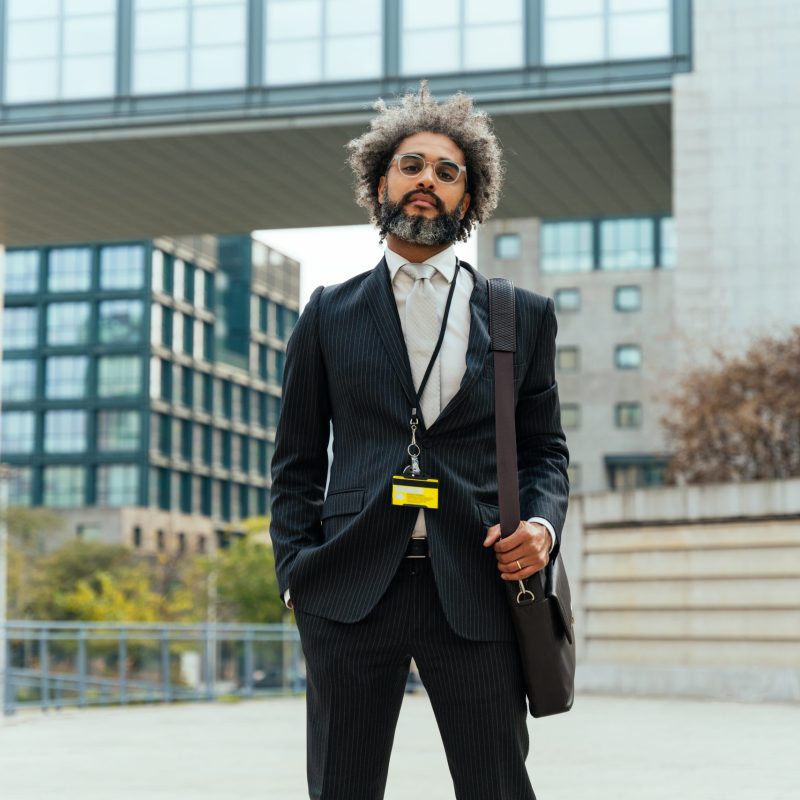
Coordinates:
453 354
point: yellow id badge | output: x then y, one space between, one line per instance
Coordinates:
417 492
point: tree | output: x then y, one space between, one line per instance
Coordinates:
740 419
247 588
28 532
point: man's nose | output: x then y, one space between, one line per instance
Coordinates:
426 177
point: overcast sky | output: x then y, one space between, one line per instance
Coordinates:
332 255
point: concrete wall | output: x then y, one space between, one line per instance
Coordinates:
736 181
688 590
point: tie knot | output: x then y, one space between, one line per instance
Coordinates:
419 271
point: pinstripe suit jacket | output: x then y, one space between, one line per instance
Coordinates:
347 361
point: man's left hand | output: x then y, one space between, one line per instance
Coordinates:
528 547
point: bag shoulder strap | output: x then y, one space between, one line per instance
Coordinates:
503 337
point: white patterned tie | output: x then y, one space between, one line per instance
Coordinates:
422 325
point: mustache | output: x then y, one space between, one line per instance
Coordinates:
432 197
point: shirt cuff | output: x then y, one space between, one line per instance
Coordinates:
543 521
286 598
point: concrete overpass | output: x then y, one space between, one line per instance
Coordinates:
581 137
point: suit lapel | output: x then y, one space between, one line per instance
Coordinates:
477 343
383 307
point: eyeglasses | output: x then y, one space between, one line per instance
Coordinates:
444 170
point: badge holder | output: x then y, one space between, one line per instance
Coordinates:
413 488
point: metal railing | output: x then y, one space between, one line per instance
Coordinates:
62 664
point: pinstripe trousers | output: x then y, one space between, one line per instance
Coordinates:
356 677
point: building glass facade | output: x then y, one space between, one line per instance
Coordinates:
117 398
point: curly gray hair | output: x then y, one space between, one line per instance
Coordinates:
455 117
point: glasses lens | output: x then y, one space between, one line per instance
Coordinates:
447 171
411 164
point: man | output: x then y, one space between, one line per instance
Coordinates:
374 578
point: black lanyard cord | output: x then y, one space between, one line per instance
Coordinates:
441 337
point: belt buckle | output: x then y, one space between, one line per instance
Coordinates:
417 539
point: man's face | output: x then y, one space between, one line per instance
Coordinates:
422 208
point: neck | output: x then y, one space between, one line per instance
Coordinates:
413 252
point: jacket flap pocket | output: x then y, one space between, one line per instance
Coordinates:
346 502
490 514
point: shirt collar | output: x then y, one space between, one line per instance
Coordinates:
444 262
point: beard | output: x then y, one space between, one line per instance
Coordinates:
442 229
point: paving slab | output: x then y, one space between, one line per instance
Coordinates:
606 747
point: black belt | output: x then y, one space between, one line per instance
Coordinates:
417 548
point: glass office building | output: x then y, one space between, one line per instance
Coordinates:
146 374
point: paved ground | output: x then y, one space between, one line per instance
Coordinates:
637 749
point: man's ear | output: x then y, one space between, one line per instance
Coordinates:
381 188
465 201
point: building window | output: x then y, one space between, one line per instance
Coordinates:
207 444
118 376
118 485
122 267
201 543
181 542
186 440
226 449
570 416
574 476
69 269
20 328
17 432
164 428
461 36
163 488
597 30
118 430
19 379
120 321
177 332
567 299
68 323
274 407
161 541
137 537
507 245
65 431
627 244
60 51
628 415
20 486
227 398
628 356
187 387
633 472
310 41
628 298
244 454
66 377
189 45
188 335
567 247
567 359
178 279
21 271
64 486
667 236
186 492
200 289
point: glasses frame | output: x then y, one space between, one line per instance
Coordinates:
461 168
